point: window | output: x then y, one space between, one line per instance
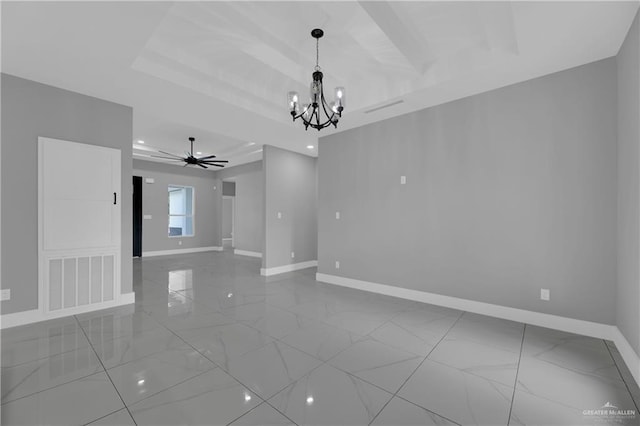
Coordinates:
180 211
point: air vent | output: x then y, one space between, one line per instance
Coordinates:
384 106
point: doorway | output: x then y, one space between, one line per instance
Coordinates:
228 222
137 216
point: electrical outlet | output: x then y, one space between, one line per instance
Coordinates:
179 243
337 215
545 294
279 215
149 180
5 294
403 180
337 264
293 255
147 216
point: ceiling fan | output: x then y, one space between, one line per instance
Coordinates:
190 159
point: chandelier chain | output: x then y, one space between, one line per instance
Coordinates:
317 55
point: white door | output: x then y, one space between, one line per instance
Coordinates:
79 226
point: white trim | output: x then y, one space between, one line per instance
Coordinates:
127 298
586 328
571 325
247 253
628 354
287 268
227 239
36 315
180 251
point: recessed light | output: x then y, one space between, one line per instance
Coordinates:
252 143
310 146
198 153
140 141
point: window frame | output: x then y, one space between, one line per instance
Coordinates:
192 215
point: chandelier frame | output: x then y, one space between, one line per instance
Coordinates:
311 113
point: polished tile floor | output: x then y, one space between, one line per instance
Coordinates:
210 342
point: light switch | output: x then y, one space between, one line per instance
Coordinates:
149 180
293 255
337 215
147 216
279 215
337 264
403 180
5 294
545 294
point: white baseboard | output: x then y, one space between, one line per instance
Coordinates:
127 298
180 251
287 268
20 318
628 354
36 315
247 253
570 325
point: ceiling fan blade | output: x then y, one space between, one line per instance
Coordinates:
215 161
167 158
217 165
204 167
207 157
168 153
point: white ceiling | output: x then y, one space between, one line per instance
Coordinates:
220 71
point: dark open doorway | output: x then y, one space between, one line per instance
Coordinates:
137 216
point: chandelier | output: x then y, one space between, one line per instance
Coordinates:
317 114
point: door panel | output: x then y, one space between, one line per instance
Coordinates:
79 225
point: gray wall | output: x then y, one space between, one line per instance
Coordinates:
249 225
155 199
29 110
507 192
290 188
628 292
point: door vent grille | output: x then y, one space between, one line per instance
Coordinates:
78 281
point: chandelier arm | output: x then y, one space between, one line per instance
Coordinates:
295 117
301 115
324 107
304 120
